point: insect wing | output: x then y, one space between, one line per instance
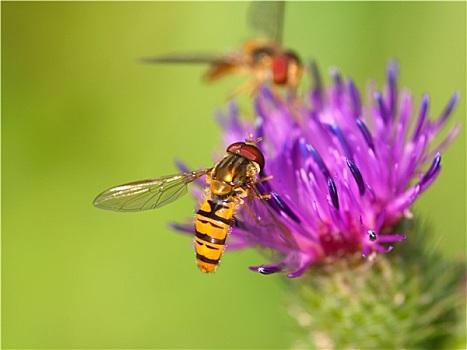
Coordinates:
182 58
147 194
269 231
266 18
233 57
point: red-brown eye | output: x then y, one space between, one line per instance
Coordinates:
234 147
281 65
280 69
254 154
248 151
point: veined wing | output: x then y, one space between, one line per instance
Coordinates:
147 194
266 18
181 58
232 58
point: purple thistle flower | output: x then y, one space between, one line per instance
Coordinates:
343 173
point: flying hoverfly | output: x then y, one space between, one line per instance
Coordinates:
231 182
263 59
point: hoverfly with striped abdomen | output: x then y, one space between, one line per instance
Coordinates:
228 183
264 58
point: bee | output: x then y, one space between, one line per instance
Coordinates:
264 59
228 183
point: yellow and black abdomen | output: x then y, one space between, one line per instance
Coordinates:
213 222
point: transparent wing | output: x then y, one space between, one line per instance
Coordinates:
266 19
182 58
262 228
147 194
231 58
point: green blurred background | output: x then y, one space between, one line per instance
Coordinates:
80 114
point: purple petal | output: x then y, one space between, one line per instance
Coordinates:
421 117
357 176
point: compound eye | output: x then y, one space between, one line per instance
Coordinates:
280 69
235 147
254 154
282 65
248 151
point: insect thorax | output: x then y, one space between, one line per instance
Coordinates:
232 176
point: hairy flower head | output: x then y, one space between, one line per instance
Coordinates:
343 172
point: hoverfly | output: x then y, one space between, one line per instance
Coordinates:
229 182
263 59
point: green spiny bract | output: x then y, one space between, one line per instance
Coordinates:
411 298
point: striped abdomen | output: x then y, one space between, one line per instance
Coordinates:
213 222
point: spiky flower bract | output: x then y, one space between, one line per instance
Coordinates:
413 298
